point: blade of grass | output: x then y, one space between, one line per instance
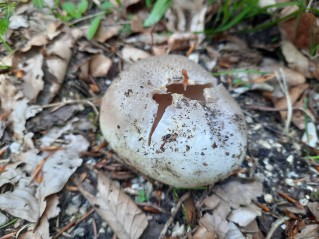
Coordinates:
93 27
158 11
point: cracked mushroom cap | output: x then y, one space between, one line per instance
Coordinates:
167 117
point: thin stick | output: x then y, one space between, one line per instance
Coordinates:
73 223
174 211
68 102
283 85
275 225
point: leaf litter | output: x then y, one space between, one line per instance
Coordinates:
41 148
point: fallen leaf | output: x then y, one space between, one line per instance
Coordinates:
234 232
21 203
302 31
294 94
190 211
202 233
309 232
296 60
244 215
106 31
97 66
32 79
314 209
214 223
58 55
240 192
132 54
117 209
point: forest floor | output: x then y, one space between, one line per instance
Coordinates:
59 178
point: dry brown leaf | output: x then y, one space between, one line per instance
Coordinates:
309 232
214 223
244 215
294 94
296 60
117 209
202 233
58 55
190 211
12 100
240 192
106 31
97 66
303 31
132 54
314 209
181 40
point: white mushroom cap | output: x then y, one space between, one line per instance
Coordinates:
184 138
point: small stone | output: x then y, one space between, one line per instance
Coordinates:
178 230
290 159
289 182
269 167
303 201
264 144
268 198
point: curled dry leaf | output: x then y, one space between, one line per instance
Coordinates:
314 209
117 209
29 201
132 54
58 55
106 31
302 31
33 74
309 232
294 94
21 203
12 100
97 66
296 60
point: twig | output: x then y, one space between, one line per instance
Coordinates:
68 102
283 85
174 211
272 109
74 223
275 225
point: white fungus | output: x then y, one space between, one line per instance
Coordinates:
167 117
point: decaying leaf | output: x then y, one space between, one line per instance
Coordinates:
28 200
58 55
294 94
117 209
21 203
309 232
296 60
132 54
314 209
97 66
12 100
231 201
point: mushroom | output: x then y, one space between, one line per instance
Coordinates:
168 118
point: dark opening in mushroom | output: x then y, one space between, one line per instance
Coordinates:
192 92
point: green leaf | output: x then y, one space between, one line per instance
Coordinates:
38 3
4 26
148 3
93 27
69 7
158 11
83 6
106 6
